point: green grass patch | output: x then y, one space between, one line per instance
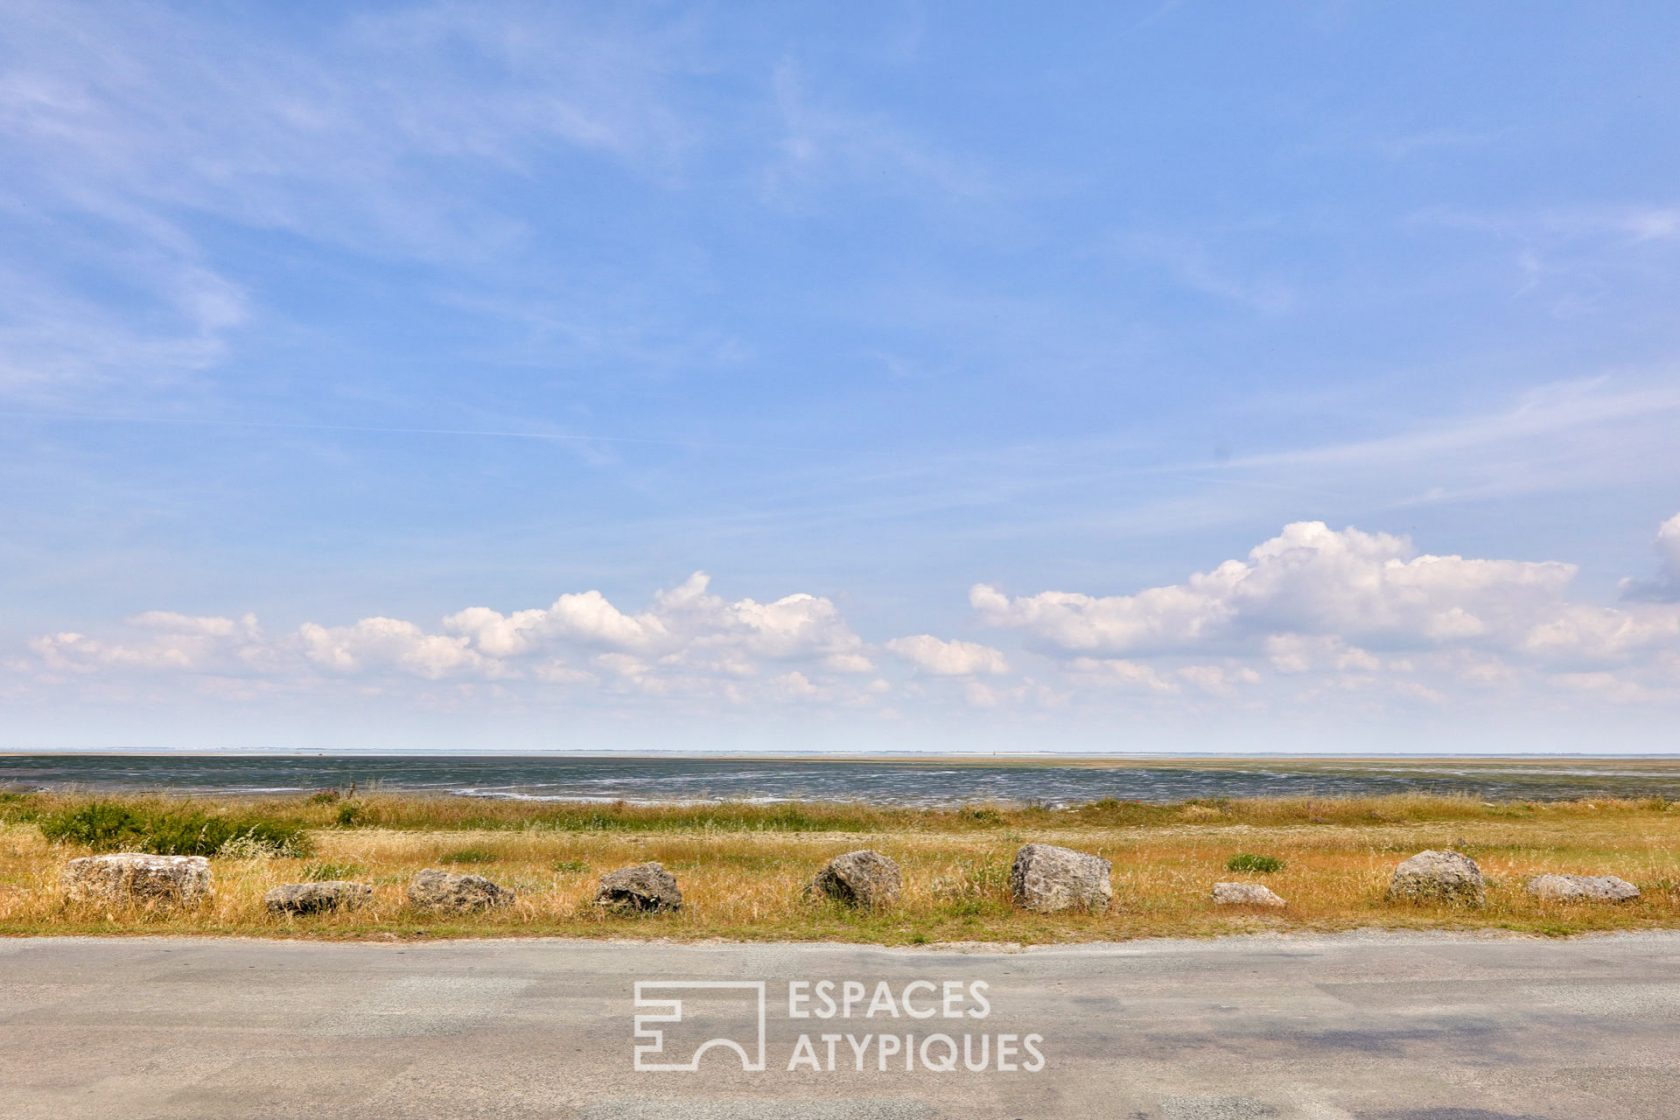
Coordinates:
1249 861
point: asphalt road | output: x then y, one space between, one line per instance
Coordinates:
1375 1027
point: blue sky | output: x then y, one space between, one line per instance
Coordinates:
1118 378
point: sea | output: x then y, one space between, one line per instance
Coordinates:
917 781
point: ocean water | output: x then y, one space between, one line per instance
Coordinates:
917 782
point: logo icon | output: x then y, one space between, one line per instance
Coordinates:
664 1006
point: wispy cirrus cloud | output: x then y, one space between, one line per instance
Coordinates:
1627 223
125 127
126 106
1196 266
825 146
1561 436
1577 261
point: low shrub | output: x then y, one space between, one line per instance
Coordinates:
104 826
1248 861
349 814
196 834
98 824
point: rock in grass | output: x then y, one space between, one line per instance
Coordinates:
865 879
436 889
316 898
1245 894
1582 888
133 877
1046 879
646 888
1433 876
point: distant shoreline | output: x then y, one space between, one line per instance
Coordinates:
1069 760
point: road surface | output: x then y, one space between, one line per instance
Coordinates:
1369 1026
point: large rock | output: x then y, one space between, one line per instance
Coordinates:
864 879
132 877
435 889
1046 878
1438 877
1582 888
646 888
1244 894
314 898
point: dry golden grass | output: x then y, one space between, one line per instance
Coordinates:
742 868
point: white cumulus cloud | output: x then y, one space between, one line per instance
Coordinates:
165 641
687 640
384 643
948 659
686 624
1372 588
1665 588
1309 616
1351 610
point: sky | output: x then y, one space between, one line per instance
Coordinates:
1107 378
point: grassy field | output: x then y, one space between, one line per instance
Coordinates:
743 867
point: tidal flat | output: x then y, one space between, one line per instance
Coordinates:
919 781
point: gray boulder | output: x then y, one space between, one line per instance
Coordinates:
646 888
1244 894
315 898
132 877
1046 879
865 879
435 889
1582 888
1432 876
